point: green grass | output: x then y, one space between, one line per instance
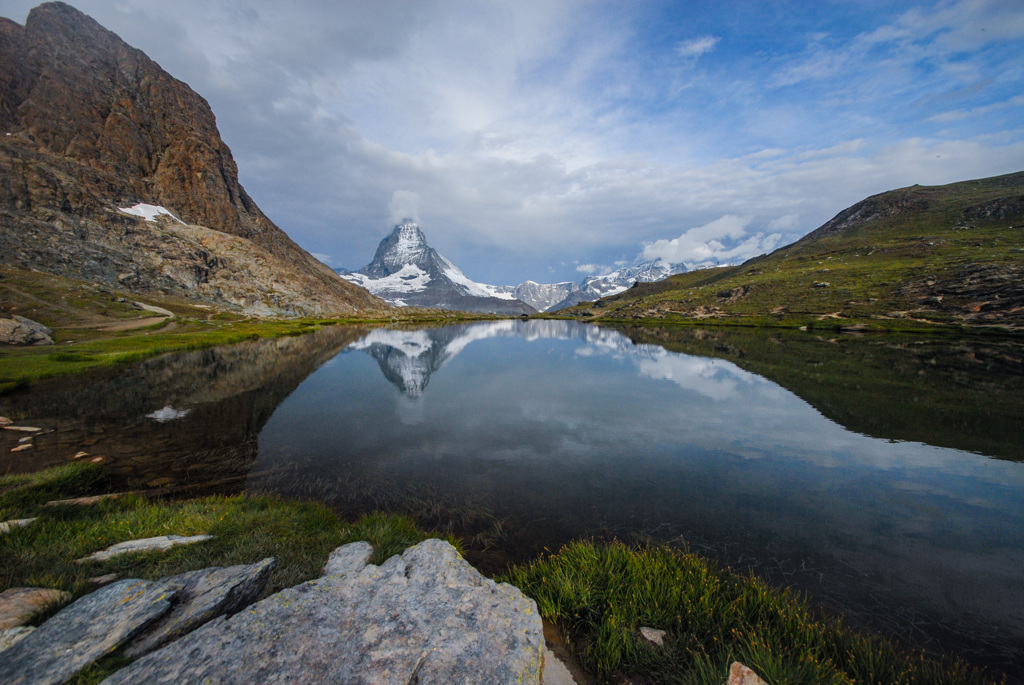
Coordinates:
246 529
918 258
599 595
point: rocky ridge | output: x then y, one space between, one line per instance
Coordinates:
89 127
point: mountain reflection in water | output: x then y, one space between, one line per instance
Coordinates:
857 469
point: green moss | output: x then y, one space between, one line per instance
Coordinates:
599 595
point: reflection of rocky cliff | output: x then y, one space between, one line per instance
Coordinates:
201 412
963 394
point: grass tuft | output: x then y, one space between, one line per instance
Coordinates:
599 595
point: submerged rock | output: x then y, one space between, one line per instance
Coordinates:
426 616
84 631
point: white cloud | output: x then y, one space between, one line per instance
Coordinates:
404 205
695 47
722 241
590 269
560 137
325 258
958 114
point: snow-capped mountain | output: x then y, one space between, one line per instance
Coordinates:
595 287
406 271
542 296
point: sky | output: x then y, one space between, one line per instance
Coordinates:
554 139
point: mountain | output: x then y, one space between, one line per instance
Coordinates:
543 296
113 171
916 256
594 288
405 271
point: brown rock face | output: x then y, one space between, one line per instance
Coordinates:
89 124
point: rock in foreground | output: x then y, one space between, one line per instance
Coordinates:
81 633
426 616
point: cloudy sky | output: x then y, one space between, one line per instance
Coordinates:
548 139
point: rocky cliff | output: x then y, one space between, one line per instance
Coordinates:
89 125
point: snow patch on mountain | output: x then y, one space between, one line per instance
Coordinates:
148 212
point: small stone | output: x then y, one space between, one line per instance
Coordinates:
100 581
4 421
653 635
23 429
19 604
554 671
741 675
11 635
6 526
84 501
161 543
82 632
97 460
79 455
22 448
27 438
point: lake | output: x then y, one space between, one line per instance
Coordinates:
881 475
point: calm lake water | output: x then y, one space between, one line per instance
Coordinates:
881 475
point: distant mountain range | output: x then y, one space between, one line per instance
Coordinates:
406 271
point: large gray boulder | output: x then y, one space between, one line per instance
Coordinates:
84 631
426 616
202 596
18 330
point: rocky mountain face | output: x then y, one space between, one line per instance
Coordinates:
90 125
543 296
405 271
593 288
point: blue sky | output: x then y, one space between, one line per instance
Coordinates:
550 139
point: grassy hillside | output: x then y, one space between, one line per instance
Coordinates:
908 258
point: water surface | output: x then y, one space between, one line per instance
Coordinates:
880 475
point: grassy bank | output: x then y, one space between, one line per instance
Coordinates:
246 529
599 595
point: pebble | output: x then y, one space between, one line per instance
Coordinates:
22 448
79 455
4 421
23 429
